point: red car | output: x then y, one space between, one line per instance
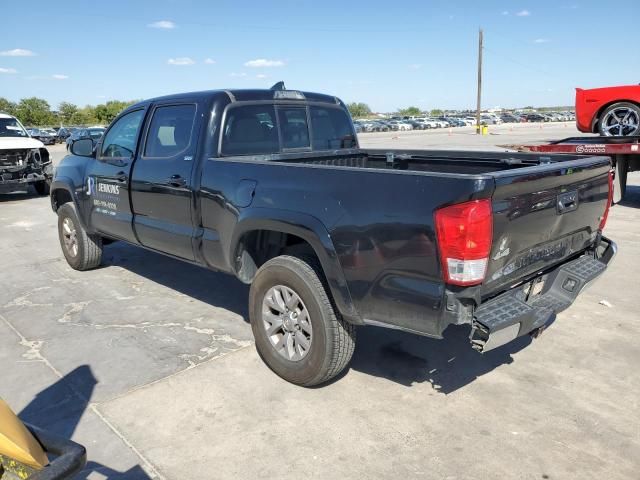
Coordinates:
610 111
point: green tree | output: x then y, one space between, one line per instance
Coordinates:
436 112
409 111
359 110
66 111
84 116
7 107
34 111
105 113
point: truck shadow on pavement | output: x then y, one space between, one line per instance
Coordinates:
214 288
58 410
447 364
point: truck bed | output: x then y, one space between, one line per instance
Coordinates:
434 161
379 205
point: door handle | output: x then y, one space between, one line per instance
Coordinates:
176 181
121 177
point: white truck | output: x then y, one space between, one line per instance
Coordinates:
23 160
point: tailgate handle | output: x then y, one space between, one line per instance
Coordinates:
567 202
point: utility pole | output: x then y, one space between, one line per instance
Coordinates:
478 107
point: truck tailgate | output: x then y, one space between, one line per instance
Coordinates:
544 215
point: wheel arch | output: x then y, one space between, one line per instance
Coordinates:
602 108
61 192
250 247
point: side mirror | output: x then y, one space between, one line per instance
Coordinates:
82 147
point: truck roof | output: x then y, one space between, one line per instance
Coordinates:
247 95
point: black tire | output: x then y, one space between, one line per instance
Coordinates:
604 116
42 187
88 254
333 339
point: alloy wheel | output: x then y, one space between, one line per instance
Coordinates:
69 236
287 323
620 122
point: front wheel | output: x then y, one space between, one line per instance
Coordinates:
82 250
620 119
297 331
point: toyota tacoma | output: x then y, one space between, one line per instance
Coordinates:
272 187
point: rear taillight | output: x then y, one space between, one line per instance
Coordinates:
464 233
603 219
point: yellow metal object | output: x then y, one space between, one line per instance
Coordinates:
17 443
485 130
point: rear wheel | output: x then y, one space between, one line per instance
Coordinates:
82 251
620 119
297 331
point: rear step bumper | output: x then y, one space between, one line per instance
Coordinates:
525 310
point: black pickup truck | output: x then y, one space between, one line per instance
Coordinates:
272 187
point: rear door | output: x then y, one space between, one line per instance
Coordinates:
543 215
161 182
108 177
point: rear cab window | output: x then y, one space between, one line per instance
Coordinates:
294 129
331 128
170 131
262 129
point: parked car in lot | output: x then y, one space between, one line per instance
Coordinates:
94 133
509 118
534 117
610 111
455 122
489 119
39 134
415 124
400 125
428 123
50 131
24 160
63 133
209 177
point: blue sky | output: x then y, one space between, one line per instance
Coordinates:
388 54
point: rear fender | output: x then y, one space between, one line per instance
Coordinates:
313 232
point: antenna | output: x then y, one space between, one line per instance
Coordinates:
278 86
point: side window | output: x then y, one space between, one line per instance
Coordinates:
170 131
250 130
331 129
120 140
293 127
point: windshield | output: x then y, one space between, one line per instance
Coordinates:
10 127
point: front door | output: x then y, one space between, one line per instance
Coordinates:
108 177
161 181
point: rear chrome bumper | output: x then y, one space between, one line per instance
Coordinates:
529 307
